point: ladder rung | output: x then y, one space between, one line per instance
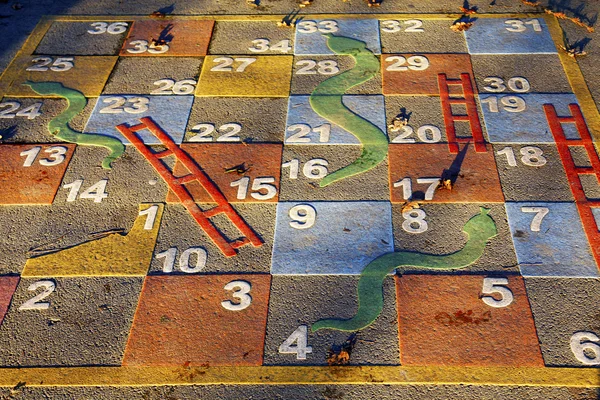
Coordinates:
182 180
213 211
239 243
584 170
460 117
457 100
163 154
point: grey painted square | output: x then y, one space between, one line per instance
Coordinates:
74 38
250 37
420 36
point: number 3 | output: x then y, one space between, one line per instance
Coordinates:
242 294
496 285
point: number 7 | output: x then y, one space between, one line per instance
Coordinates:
541 212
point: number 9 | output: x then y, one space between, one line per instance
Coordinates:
303 216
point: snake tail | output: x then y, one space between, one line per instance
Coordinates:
326 101
479 229
59 126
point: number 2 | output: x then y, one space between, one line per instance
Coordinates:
33 303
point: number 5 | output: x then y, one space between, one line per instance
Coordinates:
496 285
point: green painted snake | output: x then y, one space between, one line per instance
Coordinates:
59 126
326 100
480 228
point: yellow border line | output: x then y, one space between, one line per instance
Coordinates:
293 375
393 375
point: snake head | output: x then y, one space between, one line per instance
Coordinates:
344 45
481 226
44 87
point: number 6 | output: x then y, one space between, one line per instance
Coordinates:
496 285
582 341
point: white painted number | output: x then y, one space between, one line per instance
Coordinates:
151 217
586 347
509 103
516 25
406 185
56 155
138 105
311 67
496 285
392 26
227 132
516 84
240 291
540 213
414 221
312 169
263 45
301 348
97 191
303 216
169 86
415 63
530 156
258 185
184 260
425 133
224 64
304 130
103 27
12 110
33 303
326 26
142 46
61 64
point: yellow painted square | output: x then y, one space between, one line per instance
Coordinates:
88 74
267 76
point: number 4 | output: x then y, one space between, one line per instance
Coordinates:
301 349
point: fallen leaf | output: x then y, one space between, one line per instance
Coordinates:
460 26
410 205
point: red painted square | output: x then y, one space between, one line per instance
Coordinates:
34 177
407 80
475 175
261 161
443 320
8 285
180 320
183 38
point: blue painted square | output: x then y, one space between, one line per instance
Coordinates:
169 112
344 238
509 36
371 108
529 125
310 39
558 248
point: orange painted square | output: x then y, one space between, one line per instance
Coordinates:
443 321
180 320
263 160
424 82
477 180
8 284
36 184
188 38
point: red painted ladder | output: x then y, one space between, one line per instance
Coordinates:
584 205
177 185
467 99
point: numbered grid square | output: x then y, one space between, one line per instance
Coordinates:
256 76
525 173
305 126
243 173
308 237
327 296
86 74
566 318
169 112
250 37
417 171
418 73
474 333
549 240
31 174
311 41
237 119
509 36
521 118
86 322
414 35
440 230
181 37
166 330
84 38
156 76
